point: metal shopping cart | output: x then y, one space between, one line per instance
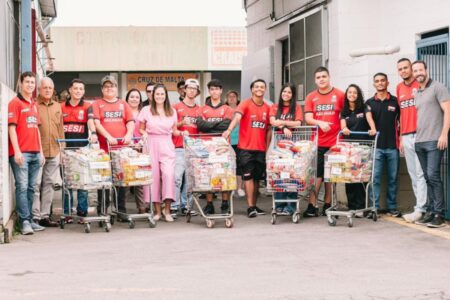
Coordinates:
352 160
291 166
210 168
84 168
131 167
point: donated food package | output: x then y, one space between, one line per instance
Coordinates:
210 164
348 162
130 167
291 166
86 166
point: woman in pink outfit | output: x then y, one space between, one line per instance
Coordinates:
158 122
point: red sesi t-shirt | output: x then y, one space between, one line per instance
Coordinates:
24 115
114 117
253 126
326 107
285 113
218 113
185 111
408 113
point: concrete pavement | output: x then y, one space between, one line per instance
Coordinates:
253 260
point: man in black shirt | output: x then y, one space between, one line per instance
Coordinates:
383 113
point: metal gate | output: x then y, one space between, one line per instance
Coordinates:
435 52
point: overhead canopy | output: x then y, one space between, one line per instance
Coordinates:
48 8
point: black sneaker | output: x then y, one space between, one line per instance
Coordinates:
311 211
259 211
324 208
82 213
251 212
225 207
394 213
209 209
437 222
426 218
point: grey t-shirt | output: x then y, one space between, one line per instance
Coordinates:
430 116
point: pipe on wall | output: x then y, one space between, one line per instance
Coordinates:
375 51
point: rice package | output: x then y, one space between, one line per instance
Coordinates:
86 167
131 167
291 166
348 162
211 164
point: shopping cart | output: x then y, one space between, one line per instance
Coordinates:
291 167
210 168
84 168
131 167
352 161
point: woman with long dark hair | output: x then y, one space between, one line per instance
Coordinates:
141 193
283 116
353 118
157 124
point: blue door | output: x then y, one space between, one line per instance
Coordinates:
435 52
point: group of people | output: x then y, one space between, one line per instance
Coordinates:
415 122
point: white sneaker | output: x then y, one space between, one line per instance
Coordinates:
412 217
241 192
26 228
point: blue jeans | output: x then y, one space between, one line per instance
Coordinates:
287 196
82 199
430 161
180 180
392 159
25 180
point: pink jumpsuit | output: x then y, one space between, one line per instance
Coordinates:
162 151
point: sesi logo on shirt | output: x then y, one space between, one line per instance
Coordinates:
257 124
32 122
407 103
76 128
325 107
113 114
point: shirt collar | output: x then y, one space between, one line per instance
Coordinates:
387 98
79 104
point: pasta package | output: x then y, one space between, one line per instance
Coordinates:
348 163
211 164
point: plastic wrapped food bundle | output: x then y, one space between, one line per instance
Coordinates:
211 164
86 167
348 162
130 167
291 166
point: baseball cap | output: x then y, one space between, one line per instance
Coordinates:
109 78
192 83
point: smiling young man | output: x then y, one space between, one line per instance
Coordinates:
322 108
408 124
25 150
383 112
254 137
433 123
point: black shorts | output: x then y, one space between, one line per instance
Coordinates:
321 161
238 169
252 164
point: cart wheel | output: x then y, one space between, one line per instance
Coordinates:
131 224
151 222
87 228
188 217
112 219
62 223
100 223
273 220
229 223
375 216
350 222
296 218
107 226
331 221
209 223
